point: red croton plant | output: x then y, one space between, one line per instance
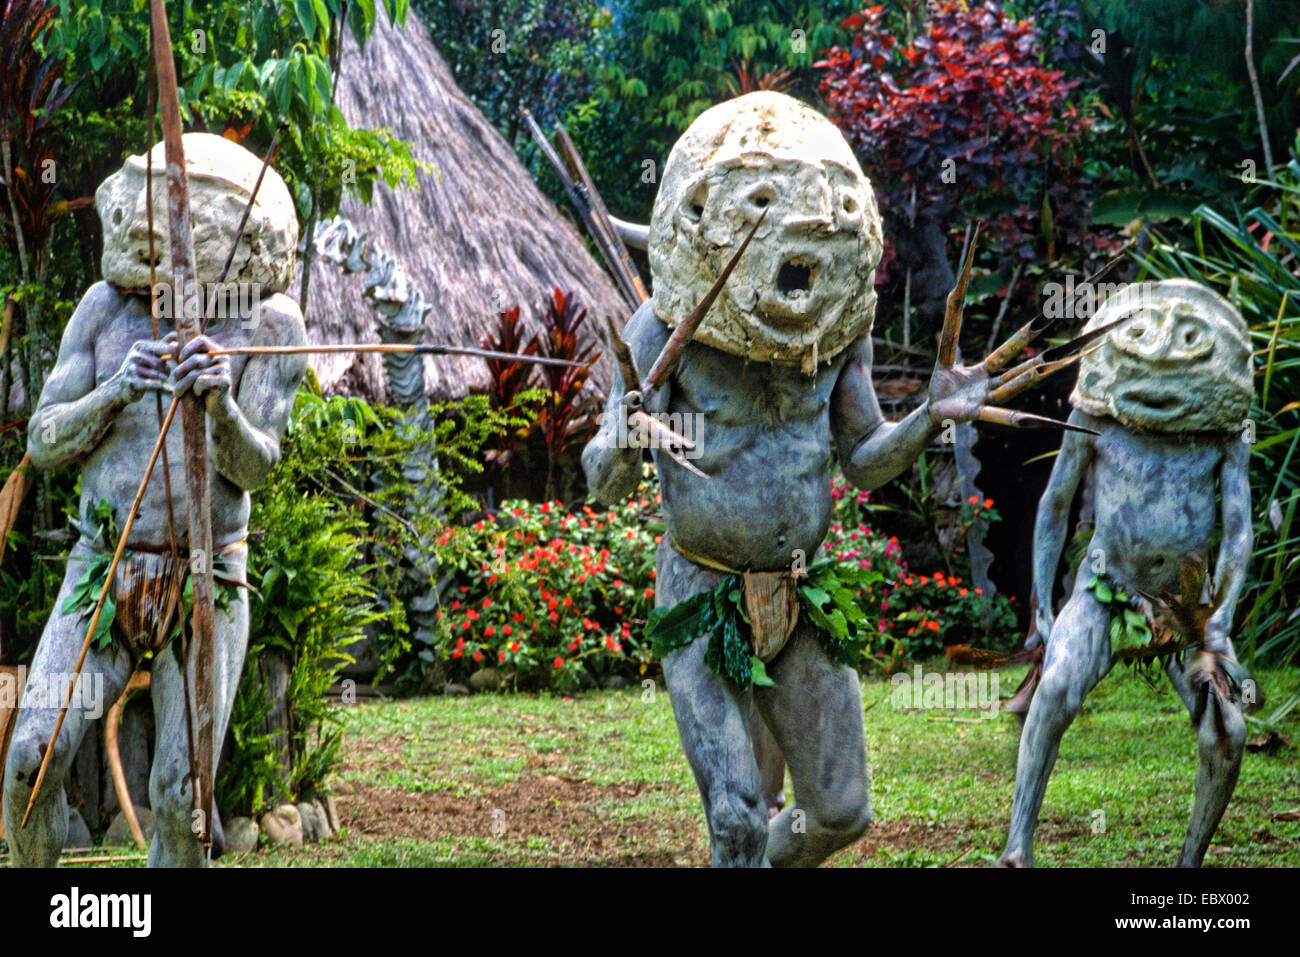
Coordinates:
567 416
968 88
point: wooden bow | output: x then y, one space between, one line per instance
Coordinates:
194 429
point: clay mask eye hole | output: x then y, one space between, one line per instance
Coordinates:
1138 327
849 204
117 216
1189 334
693 208
762 198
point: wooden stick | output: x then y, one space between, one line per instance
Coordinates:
99 605
600 214
157 404
621 280
248 210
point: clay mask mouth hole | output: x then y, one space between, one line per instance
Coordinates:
1154 400
794 277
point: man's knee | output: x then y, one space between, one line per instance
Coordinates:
1059 693
1231 742
846 816
738 820
23 762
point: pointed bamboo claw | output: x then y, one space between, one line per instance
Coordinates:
1027 420
952 313
1033 371
1030 377
663 439
623 353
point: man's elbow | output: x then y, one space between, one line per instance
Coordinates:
45 455
249 473
609 480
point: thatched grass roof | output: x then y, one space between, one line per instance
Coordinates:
476 237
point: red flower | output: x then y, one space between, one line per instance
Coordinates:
489 631
501 656
506 629
558 662
457 653
478 656
487 602
514 646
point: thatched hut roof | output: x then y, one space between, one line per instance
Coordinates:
476 237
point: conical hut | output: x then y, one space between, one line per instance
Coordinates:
476 237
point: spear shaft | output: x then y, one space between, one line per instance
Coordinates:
433 349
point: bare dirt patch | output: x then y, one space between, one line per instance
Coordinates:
542 819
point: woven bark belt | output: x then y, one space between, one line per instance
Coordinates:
771 602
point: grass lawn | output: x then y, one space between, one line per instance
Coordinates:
599 779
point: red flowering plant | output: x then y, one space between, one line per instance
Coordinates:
554 597
915 615
968 97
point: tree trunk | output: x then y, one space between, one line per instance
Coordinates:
273 670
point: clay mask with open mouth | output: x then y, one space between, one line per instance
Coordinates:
804 290
1181 363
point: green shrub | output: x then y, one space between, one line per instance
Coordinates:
313 594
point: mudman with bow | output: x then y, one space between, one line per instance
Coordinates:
763 245
118 349
166 320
